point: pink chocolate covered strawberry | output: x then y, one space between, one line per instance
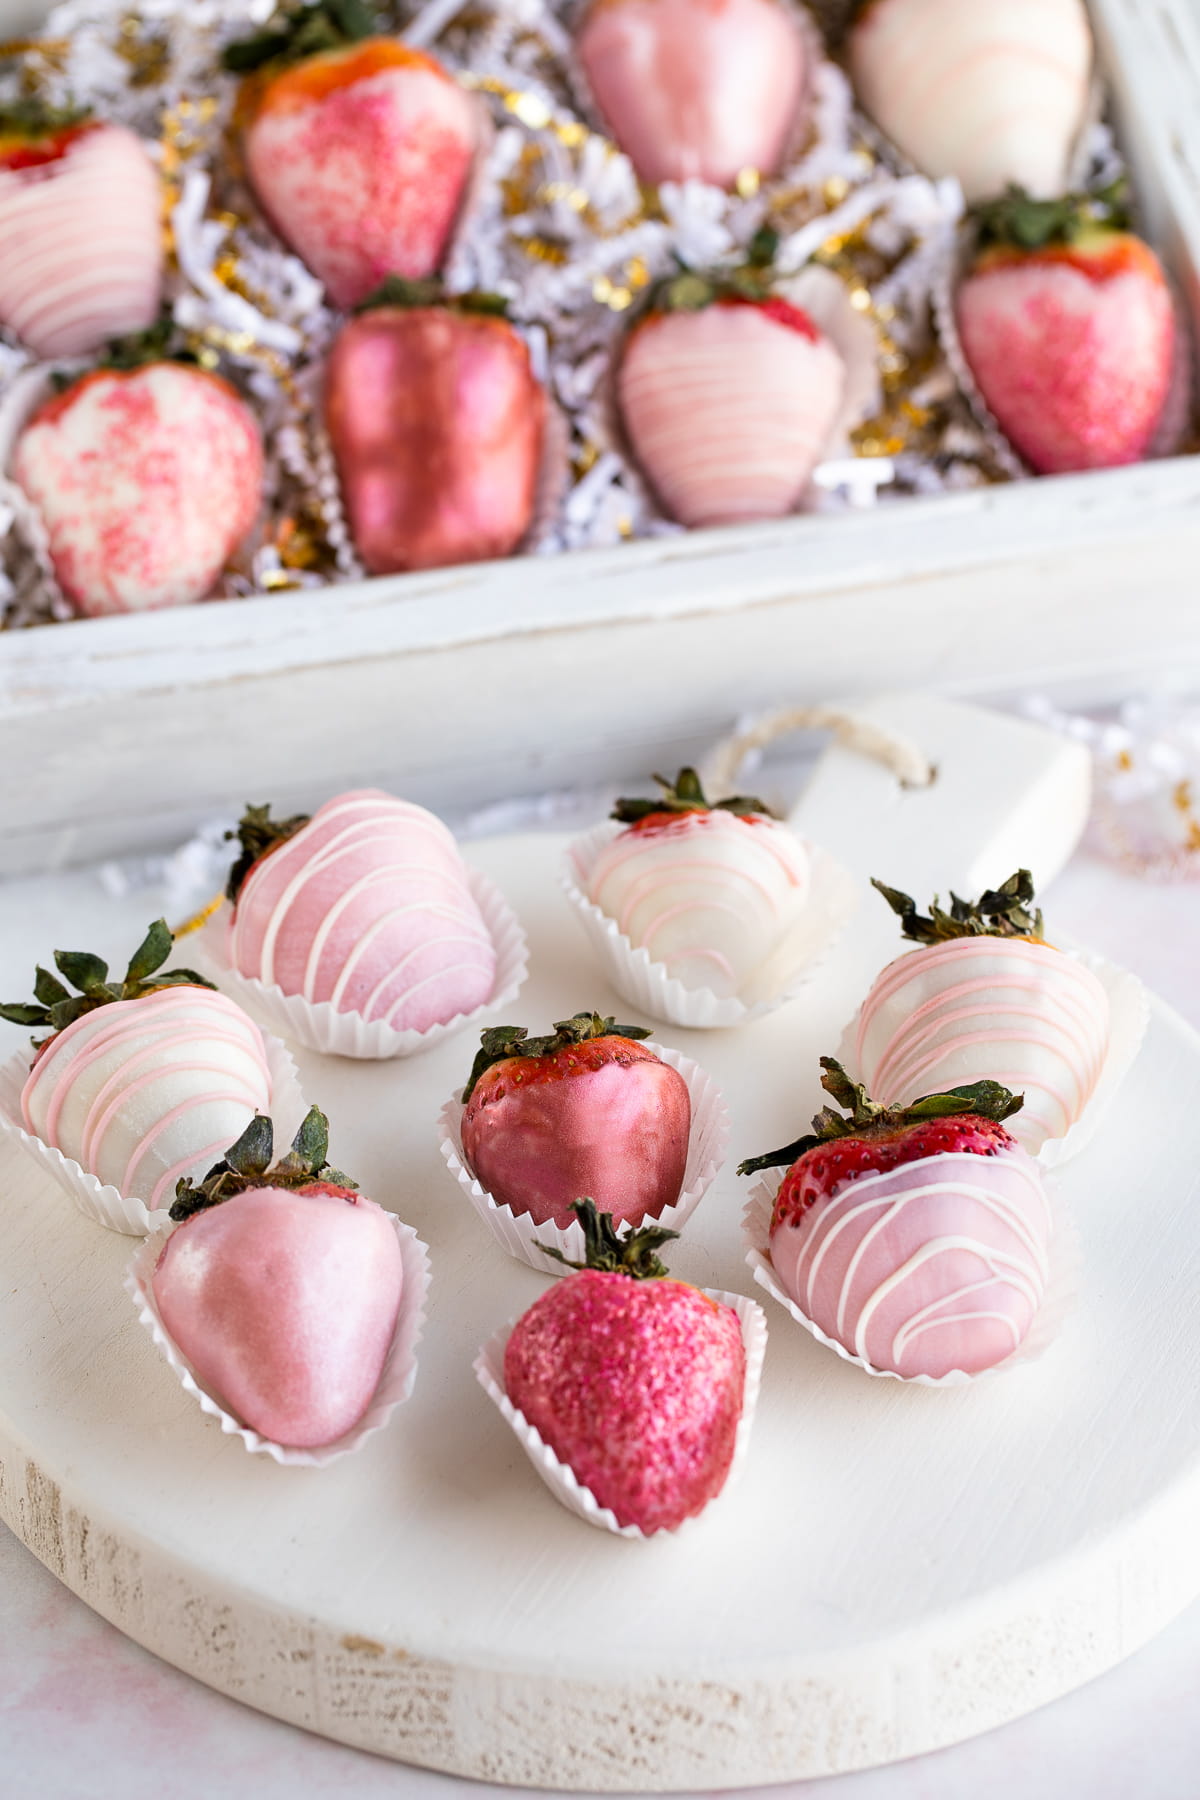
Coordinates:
702 89
358 148
729 394
282 1287
147 479
587 1110
634 1380
989 93
1068 325
81 230
916 1238
437 424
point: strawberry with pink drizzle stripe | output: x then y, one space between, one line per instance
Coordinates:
365 906
142 1081
917 1238
708 891
80 222
985 995
989 93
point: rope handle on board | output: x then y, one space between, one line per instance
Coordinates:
911 768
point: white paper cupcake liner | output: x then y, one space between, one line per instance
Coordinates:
395 1383
320 1026
97 1200
648 985
1057 1302
1129 1015
560 1478
708 1141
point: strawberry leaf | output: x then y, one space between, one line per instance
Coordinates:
685 795
86 972
606 1250
258 834
18 1014
150 954
247 1164
500 1042
1006 911
47 989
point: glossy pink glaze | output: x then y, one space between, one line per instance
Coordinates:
83 246
637 1386
143 1092
366 179
937 1265
617 1133
437 424
696 89
285 1303
147 482
728 410
987 1008
368 908
1076 369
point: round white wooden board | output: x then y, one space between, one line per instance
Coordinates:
900 1567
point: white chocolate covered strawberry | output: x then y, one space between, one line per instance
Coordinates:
366 906
985 996
989 93
81 230
282 1287
145 1080
708 891
147 480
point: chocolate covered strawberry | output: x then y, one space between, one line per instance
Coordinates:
917 1237
634 1380
702 89
588 1109
282 1287
147 479
437 424
358 148
81 229
989 93
1068 325
729 394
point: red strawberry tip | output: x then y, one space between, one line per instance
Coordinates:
500 1043
57 1007
981 1099
1006 911
749 283
684 795
40 132
399 291
607 1251
295 33
1019 222
247 1164
258 834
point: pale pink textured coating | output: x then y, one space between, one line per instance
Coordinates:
728 411
366 181
636 1385
83 245
141 1093
1076 369
147 483
285 1304
367 907
934 1266
708 895
696 89
987 1008
991 93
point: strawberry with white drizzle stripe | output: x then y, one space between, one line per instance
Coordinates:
364 905
985 995
80 222
708 891
917 1238
142 1082
989 93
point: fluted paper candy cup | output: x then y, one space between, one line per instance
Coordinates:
395 1384
560 1478
100 1201
648 985
517 1233
318 1025
1057 1299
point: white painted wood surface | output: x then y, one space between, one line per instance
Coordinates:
899 1568
474 683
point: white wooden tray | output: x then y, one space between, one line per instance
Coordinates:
899 1569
